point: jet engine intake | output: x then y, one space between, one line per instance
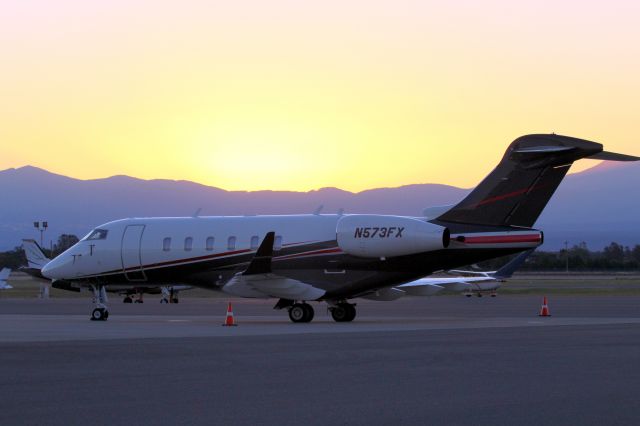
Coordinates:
373 236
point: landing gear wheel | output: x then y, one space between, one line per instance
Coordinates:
298 313
309 313
175 300
127 300
99 314
163 300
344 312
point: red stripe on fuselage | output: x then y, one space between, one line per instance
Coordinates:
189 260
309 253
503 239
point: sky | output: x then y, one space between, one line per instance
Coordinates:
299 95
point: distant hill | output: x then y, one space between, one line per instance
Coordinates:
597 206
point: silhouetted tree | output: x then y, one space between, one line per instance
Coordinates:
64 242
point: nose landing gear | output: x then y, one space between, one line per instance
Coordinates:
100 312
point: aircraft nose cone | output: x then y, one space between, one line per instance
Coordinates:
53 269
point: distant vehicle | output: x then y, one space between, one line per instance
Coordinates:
468 282
36 259
330 258
4 276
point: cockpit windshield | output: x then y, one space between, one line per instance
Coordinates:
97 234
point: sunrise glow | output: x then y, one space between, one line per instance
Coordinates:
300 95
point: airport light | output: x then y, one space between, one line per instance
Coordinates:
41 226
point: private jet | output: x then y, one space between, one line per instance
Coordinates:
330 258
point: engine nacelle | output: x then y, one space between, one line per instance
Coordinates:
368 235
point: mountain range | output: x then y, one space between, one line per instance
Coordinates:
597 206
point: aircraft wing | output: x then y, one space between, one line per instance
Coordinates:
259 281
431 286
4 276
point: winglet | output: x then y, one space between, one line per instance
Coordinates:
261 263
507 270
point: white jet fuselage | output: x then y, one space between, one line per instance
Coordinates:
336 257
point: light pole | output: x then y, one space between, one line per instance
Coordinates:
41 226
566 254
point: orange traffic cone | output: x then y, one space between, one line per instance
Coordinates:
544 311
229 322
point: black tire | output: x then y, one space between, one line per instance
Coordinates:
309 312
344 312
298 313
175 300
127 300
339 313
351 311
106 315
98 314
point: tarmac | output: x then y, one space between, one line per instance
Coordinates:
439 360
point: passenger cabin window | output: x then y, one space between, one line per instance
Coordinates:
231 243
98 234
166 244
277 244
210 241
254 242
188 244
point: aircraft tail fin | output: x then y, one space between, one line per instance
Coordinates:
518 189
507 270
36 258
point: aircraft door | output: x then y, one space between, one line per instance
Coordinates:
131 253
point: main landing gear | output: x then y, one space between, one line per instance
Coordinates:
343 312
169 295
298 311
100 312
301 312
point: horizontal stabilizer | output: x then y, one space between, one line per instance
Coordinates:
613 156
543 149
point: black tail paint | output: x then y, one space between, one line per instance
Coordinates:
518 189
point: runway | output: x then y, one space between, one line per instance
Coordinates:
443 360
